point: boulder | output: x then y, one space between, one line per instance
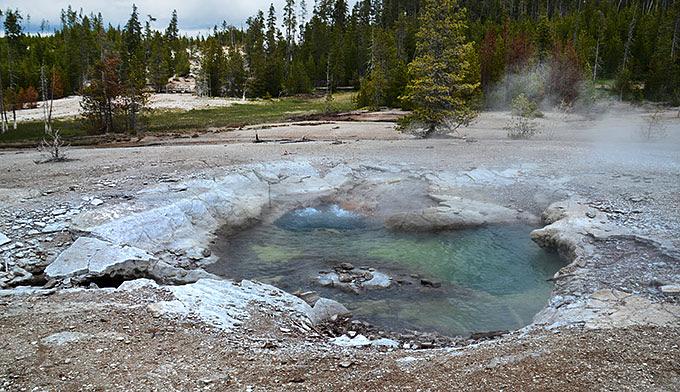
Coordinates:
324 309
226 304
62 338
137 284
91 256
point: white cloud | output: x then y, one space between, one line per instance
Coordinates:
194 15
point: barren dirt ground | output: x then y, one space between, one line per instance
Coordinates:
122 346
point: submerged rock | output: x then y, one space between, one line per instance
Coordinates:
355 281
379 281
430 283
346 266
455 213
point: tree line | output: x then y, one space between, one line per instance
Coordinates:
378 47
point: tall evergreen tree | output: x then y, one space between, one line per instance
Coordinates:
15 51
134 97
444 77
255 56
274 58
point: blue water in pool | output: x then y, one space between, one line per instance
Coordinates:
493 278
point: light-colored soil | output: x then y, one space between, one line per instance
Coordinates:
600 160
70 106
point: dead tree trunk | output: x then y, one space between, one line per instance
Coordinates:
626 48
108 105
3 113
597 58
676 32
12 87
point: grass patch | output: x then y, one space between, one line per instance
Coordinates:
237 115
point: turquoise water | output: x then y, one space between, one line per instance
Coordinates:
493 278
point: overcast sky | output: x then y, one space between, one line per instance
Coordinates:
194 15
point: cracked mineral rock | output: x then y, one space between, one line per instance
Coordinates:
96 257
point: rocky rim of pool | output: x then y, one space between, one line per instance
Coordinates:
173 233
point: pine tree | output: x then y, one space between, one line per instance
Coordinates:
444 77
255 56
172 42
212 67
133 71
15 47
387 77
274 69
235 73
290 24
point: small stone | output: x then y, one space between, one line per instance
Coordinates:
206 252
671 289
591 214
346 278
345 364
269 345
346 266
390 343
97 202
345 341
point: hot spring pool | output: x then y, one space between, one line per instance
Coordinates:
492 278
